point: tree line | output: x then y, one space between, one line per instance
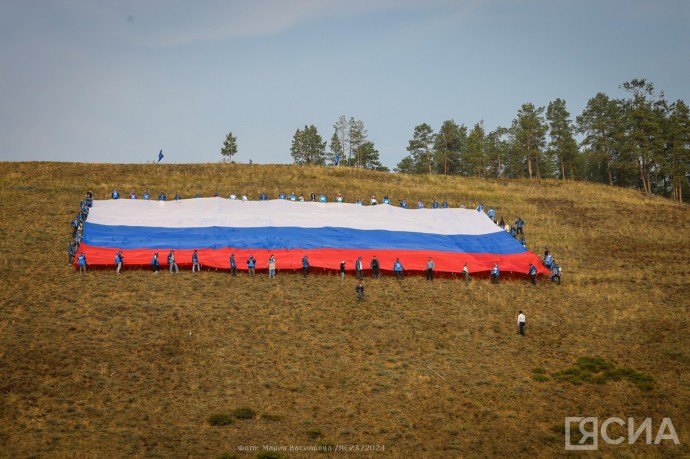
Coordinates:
640 141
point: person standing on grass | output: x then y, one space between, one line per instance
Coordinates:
360 291
521 323
305 265
171 262
195 262
398 269
233 265
533 273
466 273
555 272
342 271
119 261
71 251
495 272
82 263
251 265
519 224
154 263
375 268
272 267
430 269
75 225
359 267
115 195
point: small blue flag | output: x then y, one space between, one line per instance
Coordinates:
160 155
337 159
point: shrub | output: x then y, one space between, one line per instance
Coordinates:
244 413
314 433
219 419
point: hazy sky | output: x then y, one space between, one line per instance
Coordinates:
116 81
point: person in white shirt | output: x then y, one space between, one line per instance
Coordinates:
521 323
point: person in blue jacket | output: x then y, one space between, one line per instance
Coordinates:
71 251
491 213
403 203
322 198
195 262
82 263
119 261
146 196
519 223
532 273
359 268
386 200
435 204
305 265
115 195
495 272
162 197
155 265
444 205
132 195
75 225
233 266
251 265
420 203
398 269
547 259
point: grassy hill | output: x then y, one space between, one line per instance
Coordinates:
134 365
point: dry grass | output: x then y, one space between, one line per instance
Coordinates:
135 365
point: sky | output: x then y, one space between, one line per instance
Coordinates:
117 81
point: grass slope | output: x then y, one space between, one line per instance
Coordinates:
135 365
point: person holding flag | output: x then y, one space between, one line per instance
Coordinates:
119 261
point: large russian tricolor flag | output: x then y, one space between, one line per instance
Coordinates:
327 233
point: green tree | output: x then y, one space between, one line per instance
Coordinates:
420 148
229 146
528 134
308 147
678 148
600 123
407 166
357 137
336 148
369 157
642 117
475 155
562 146
448 147
497 152
342 133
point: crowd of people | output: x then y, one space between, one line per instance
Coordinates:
515 230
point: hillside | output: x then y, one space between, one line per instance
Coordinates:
133 365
